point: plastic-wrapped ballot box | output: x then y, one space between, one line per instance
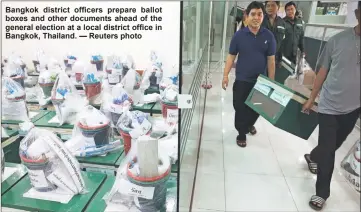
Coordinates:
282 106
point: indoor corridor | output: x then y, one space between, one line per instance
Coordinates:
270 174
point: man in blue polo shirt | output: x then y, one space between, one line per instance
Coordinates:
256 49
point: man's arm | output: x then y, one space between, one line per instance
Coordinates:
229 64
271 67
325 61
233 51
317 85
271 52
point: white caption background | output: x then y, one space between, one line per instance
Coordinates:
164 42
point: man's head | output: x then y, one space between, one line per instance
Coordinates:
358 11
291 9
254 13
272 7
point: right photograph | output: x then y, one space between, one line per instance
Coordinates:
275 122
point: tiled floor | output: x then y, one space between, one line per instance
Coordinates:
268 175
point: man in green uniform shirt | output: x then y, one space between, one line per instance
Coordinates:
294 33
276 25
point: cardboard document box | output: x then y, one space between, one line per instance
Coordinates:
308 76
281 105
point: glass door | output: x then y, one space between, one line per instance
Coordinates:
222 26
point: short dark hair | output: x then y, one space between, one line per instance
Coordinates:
291 3
277 2
254 5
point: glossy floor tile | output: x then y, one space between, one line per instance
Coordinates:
270 174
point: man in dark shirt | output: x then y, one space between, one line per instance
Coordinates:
294 33
276 25
256 49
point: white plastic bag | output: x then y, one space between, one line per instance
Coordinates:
92 85
154 73
127 62
15 71
115 102
92 134
114 70
169 102
47 80
141 181
98 61
66 99
132 84
13 101
49 163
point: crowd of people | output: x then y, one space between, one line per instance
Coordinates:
288 31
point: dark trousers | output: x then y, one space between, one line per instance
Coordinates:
245 117
333 131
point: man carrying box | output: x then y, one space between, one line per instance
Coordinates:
338 107
256 49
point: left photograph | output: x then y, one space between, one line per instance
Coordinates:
89 105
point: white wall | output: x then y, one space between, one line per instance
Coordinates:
351 18
166 42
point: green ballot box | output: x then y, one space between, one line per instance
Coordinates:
281 105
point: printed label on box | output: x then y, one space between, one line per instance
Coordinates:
280 98
262 88
145 126
115 108
113 78
130 189
172 115
141 130
37 178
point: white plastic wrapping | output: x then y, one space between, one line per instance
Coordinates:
92 134
46 82
98 61
25 127
303 72
16 71
131 125
115 102
141 179
49 163
13 101
154 74
127 62
66 99
39 56
114 69
42 61
169 145
78 71
169 102
69 60
167 81
92 85
34 94
351 165
132 85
